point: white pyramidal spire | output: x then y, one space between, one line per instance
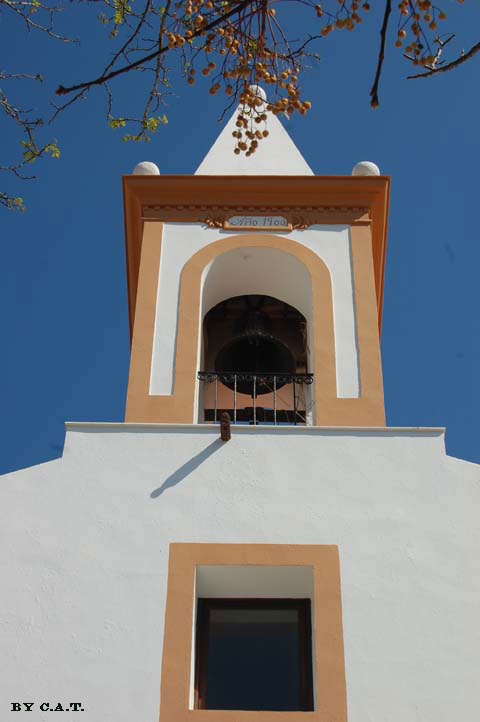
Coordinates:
275 155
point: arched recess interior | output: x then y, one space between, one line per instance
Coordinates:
251 270
258 270
295 274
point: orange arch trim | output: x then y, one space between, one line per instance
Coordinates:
189 317
180 406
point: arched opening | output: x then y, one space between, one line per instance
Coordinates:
255 334
255 358
255 361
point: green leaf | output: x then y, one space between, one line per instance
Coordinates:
117 122
53 149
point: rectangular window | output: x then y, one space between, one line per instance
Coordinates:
254 654
268 656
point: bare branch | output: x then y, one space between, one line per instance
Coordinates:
60 108
310 39
24 10
131 37
449 66
11 202
18 76
14 169
374 102
61 90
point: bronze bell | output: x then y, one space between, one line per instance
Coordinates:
254 351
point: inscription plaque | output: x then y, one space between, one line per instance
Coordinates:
258 223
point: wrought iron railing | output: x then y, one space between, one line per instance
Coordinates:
275 398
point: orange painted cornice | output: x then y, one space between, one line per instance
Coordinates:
191 195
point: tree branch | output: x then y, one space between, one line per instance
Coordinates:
383 33
23 10
61 90
449 66
131 37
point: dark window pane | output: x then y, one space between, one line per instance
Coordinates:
254 657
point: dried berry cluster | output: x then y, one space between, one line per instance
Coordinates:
238 44
249 46
250 49
416 16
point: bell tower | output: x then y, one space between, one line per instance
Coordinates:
255 287
301 562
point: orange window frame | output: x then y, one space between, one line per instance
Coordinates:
327 630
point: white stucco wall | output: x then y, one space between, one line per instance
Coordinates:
84 552
275 155
254 581
250 270
180 241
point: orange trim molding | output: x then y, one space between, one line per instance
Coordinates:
146 306
211 199
327 631
364 208
179 407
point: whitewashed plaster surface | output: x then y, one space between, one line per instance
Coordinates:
275 155
84 551
180 241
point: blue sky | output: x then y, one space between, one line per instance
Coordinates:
63 299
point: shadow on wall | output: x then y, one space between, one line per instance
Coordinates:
187 468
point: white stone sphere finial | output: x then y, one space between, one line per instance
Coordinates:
365 167
146 168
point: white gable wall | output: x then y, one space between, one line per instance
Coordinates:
84 558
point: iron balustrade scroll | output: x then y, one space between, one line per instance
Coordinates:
283 411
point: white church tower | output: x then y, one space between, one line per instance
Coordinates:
294 561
